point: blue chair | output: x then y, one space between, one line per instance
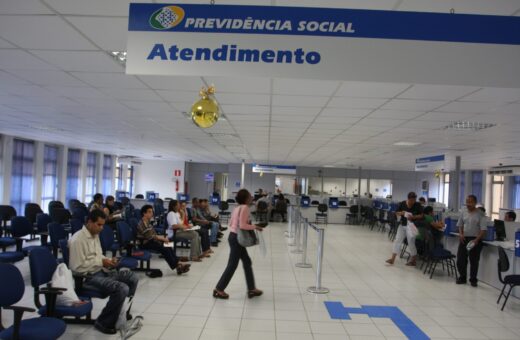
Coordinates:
42 266
108 243
57 232
42 227
128 242
80 212
7 212
75 225
13 288
20 227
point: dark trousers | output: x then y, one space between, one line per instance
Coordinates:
204 238
118 285
282 213
237 253
167 252
474 258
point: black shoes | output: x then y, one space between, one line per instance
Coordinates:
461 281
474 284
214 244
254 292
104 329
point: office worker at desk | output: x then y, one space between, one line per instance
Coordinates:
510 216
472 228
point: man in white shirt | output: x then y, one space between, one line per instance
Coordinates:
87 259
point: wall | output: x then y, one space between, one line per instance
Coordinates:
402 181
158 176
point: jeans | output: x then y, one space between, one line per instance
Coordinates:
474 258
204 238
118 285
166 252
237 253
213 226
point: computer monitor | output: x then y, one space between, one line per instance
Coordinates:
500 229
431 199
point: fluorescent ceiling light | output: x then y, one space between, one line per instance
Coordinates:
468 126
406 143
329 166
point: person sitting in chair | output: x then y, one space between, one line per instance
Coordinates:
150 240
87 259
280 207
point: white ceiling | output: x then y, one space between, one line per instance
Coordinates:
59 84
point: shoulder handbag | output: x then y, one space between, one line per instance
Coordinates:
246 238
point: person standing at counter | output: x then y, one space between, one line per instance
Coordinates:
472 228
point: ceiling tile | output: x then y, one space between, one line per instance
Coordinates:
92 7
370 90
308 87
117 80
131 94
50 78
88 61
436 92
497 7
295 111
469 107
240 85
412 105
334 112
174 83
23 7
242 99
109 33
76 92
395 114
300 101
494 95
245 109
356 103
42 27
17 59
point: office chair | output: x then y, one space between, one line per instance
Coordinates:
509 280
42 265
321 215
42 328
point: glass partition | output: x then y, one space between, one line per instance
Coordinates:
380 187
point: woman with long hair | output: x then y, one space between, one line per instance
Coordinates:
177 228
239 219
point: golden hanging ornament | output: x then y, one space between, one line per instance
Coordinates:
437 173
205 111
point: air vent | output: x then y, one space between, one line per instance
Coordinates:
509 170
468 126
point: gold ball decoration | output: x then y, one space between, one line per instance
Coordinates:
205 111
437 173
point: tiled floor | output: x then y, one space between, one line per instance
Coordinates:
181 307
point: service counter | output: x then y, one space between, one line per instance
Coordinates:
335 215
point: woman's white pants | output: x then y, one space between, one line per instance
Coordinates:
399 238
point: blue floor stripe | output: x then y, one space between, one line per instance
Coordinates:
338 311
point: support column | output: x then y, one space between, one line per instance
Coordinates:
359 195
455 202
243 174
7 168
99 172
82 175
38 172
63 153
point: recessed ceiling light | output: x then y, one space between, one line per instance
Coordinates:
328 166
406 143
468 126
119 56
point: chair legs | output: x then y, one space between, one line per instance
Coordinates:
501 293
507 296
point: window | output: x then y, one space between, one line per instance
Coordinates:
462 198
50 175
446 190
497 195
130 180
73 164
515 190
107 175
90 188
22 174
476 184
119 176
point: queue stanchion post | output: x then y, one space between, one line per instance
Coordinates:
295 230
318 289
305 230
298 236
289 226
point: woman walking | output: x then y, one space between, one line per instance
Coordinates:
239 219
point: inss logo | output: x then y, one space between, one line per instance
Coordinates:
166 17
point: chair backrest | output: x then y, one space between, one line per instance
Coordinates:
354 209
74 203
42 265
314 202
80 212
158 207
21 226
223 206
55 204
137 214
125 201
322 208
106 238
42 221
60 215
56 233
124 233
31 210
13 286
75 225
342 203
230 200
64 247
7 212
261 206
503 261
139 196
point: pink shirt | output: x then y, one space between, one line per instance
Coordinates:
244 219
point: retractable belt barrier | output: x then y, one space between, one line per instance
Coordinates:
299 227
